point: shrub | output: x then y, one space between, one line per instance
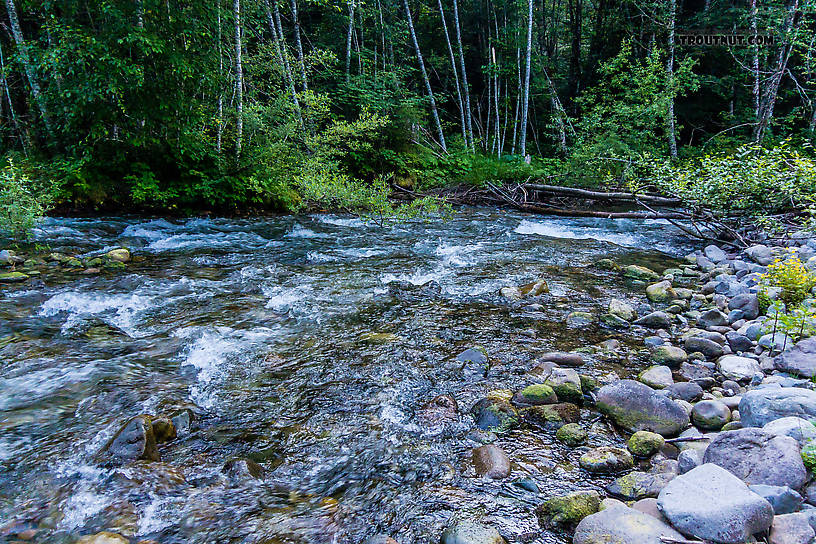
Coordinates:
23 203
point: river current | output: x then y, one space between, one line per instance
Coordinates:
308 345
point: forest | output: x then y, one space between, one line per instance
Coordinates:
180 105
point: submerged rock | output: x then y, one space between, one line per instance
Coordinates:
552 416
491 461
710 503
105 537
572 435
134 441
495 415
641 273
637 407
241 469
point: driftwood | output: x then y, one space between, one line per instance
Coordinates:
600 195
697 223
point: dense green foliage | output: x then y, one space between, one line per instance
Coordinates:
23 202
257 104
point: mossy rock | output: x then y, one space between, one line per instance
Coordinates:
121 255
579 319
567 392
614 321
588 383
606 459
495 415
607 264
567 511
572 435
670 356
13 277
96 262
552 416
73 262
535 394
641 273
114 266
645 443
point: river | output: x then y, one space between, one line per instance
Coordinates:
307 344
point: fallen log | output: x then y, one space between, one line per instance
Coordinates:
601 195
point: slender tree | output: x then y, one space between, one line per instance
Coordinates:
239 78
440 134
349 35
304 81
465 87
28 65
670 132
455 71
526 100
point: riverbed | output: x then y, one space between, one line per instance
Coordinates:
307 344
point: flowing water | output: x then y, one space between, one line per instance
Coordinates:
308 345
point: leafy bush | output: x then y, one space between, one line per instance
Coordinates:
23 203
792 278
753 179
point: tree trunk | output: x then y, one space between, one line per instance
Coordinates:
574 76
31 74
526 100
239 79
465 88
288 79
670 74
349 35
427 81
769 101
299 45
755 59
220 128
455 74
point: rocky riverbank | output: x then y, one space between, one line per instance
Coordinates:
712 439
718 430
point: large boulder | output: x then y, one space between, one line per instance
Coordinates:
800 359
761 406
471 532
710 503
133 442
739 369
619 524
637 407
801 430
757 457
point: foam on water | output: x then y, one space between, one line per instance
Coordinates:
555 230
80 506
28 388
120 310
213 351
299 231
342 221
